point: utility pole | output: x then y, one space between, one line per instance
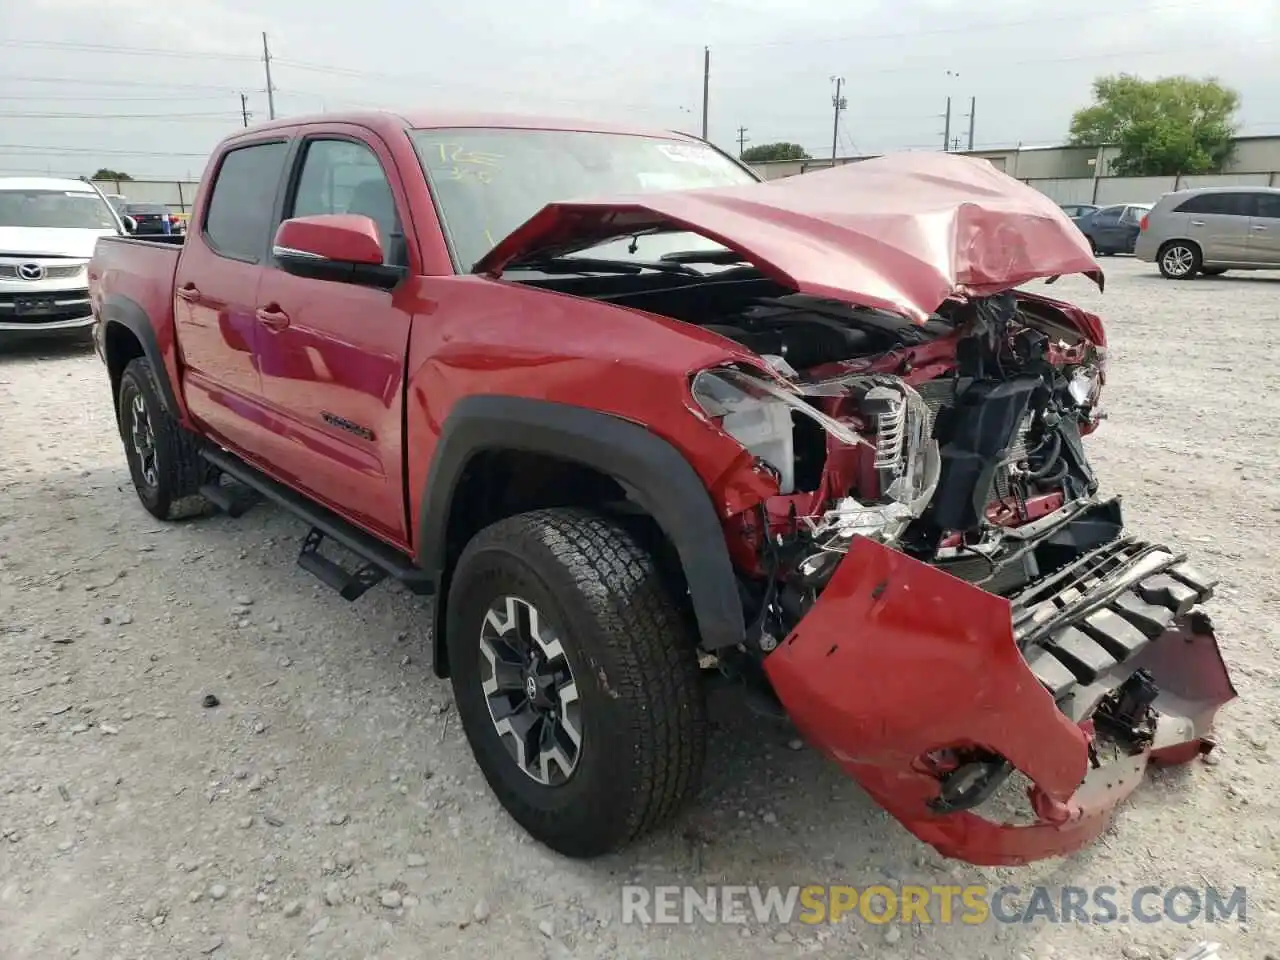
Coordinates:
271 90
706 87
244 108
742 141
973 106
838 103
946 131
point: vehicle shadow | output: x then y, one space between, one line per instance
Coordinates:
771 811
28 348
1225 279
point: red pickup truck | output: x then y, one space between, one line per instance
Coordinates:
642 423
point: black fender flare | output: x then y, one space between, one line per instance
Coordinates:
120 310
654 472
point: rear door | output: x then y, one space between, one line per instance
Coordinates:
1264 230
1218 221
333 359
216 288
1130 221
1104 228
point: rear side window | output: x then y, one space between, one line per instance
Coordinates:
240 209
1230 204
1108 213
1268 205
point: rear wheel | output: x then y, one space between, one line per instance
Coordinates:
1179 260
164 458
576 679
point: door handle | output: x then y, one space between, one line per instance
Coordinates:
188 292
272 318
1197 223
1259 226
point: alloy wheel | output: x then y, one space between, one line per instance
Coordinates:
530 691
143 439
1178 260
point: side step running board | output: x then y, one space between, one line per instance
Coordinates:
378 560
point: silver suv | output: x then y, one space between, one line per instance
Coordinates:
1211 230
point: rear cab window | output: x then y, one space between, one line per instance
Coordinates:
238 220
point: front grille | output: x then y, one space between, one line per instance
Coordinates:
9 271
47 307
941 393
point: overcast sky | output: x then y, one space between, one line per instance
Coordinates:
149 86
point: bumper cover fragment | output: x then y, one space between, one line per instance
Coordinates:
933 663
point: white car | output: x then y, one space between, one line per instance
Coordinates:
48 228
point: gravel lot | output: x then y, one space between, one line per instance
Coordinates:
329 807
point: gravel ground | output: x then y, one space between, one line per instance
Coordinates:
329 806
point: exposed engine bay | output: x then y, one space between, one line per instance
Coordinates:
939 440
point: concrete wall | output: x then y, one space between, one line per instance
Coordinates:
177 195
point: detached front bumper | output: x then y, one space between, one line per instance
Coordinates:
900 666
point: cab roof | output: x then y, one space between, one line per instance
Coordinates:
387 121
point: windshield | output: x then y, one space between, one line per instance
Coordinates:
487 182
73 210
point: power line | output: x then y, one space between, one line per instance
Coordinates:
116 116
95 81
56 151
79 99
111 48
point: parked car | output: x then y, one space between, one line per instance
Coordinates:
1078 211
152 218
1113 229
48 228
1211 230
686 428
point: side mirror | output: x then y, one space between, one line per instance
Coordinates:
130 225
341 247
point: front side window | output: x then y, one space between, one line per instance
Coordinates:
343 176
486 182
54 209
1109 213
239 216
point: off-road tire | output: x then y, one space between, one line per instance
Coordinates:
179 469
1194 259
632 652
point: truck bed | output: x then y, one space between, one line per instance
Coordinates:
132 269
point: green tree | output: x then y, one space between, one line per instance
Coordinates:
1162 127
774 151
106 174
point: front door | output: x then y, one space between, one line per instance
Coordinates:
216 290
333 361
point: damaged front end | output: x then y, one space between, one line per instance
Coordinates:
938 596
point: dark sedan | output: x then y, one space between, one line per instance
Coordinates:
151 218
1113 229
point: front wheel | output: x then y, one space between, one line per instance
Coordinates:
164 459
576 679
1179 260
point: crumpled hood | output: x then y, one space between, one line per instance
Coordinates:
50 242
901 232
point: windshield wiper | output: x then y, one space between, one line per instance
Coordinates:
729 257
596 265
